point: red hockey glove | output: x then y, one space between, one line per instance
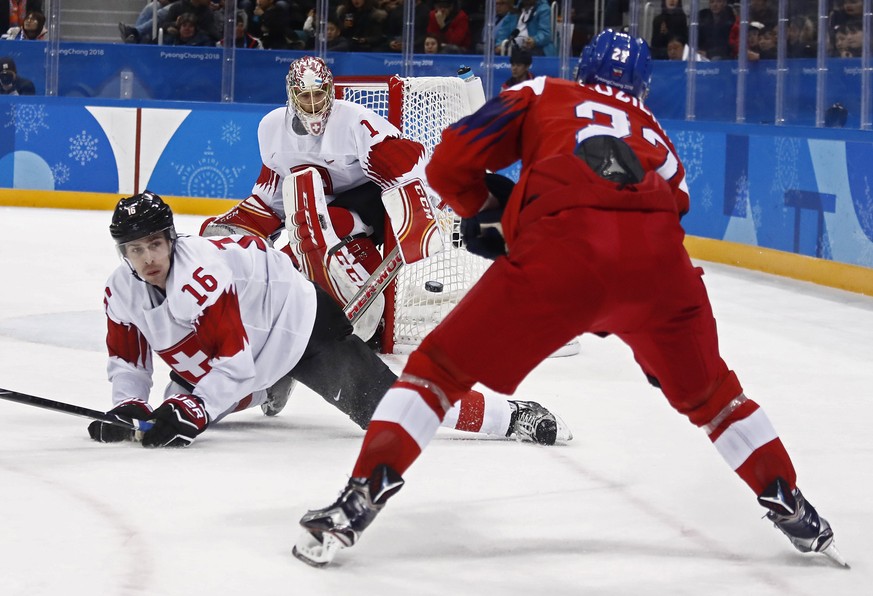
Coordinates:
176 422
104 432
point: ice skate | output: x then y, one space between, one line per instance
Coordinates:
532 422
799 521
277 396
340 525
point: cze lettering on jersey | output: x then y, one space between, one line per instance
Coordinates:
622 97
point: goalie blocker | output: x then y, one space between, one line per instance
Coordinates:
320 239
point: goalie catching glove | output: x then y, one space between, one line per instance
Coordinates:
176 422
132 409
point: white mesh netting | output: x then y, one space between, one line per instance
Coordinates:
428 105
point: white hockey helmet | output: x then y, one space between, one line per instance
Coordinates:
310 93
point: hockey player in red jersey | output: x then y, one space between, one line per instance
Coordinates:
591 242
364 167
238 324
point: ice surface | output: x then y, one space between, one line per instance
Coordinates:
638 503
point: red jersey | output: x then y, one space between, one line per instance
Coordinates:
539 120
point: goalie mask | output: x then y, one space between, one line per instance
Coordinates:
310 94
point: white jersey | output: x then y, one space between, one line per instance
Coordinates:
357 146
236 317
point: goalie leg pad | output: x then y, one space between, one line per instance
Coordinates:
248 217
413 221
320 238
349 265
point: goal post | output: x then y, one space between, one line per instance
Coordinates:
424 292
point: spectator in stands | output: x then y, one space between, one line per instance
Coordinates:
767 43
802 37
334 35
846 11
529 30
33 28
395 19
17 12
431 45
714 30
201 11
275 26
241 37
613 13
677 49
475 10
502 8
451 26
10 82
187 33
519 64
848 39
141 31
763 11
753 50
671 23
362 23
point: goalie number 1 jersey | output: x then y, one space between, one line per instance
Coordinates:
358 146
236 317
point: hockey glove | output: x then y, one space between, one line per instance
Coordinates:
104 432
176 422
483 234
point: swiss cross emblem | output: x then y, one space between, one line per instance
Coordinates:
188 359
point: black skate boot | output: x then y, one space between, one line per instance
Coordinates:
277 396
340 525
799 521
532 422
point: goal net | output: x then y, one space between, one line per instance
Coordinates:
424 292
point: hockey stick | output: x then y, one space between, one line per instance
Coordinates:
375 285
57 406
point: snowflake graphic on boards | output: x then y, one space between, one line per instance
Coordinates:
61 173
706 198
83 148
787 152
27 119
689 145
742 198
207 178
231 133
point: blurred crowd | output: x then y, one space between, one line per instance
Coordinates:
528 27
719 35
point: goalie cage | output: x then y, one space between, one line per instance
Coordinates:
425 292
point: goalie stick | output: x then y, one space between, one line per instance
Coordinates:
374 286
58 406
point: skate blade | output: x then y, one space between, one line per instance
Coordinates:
834 555
316 551
564 432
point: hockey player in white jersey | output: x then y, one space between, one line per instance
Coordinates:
365 169
232 318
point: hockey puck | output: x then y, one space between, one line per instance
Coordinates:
433 286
